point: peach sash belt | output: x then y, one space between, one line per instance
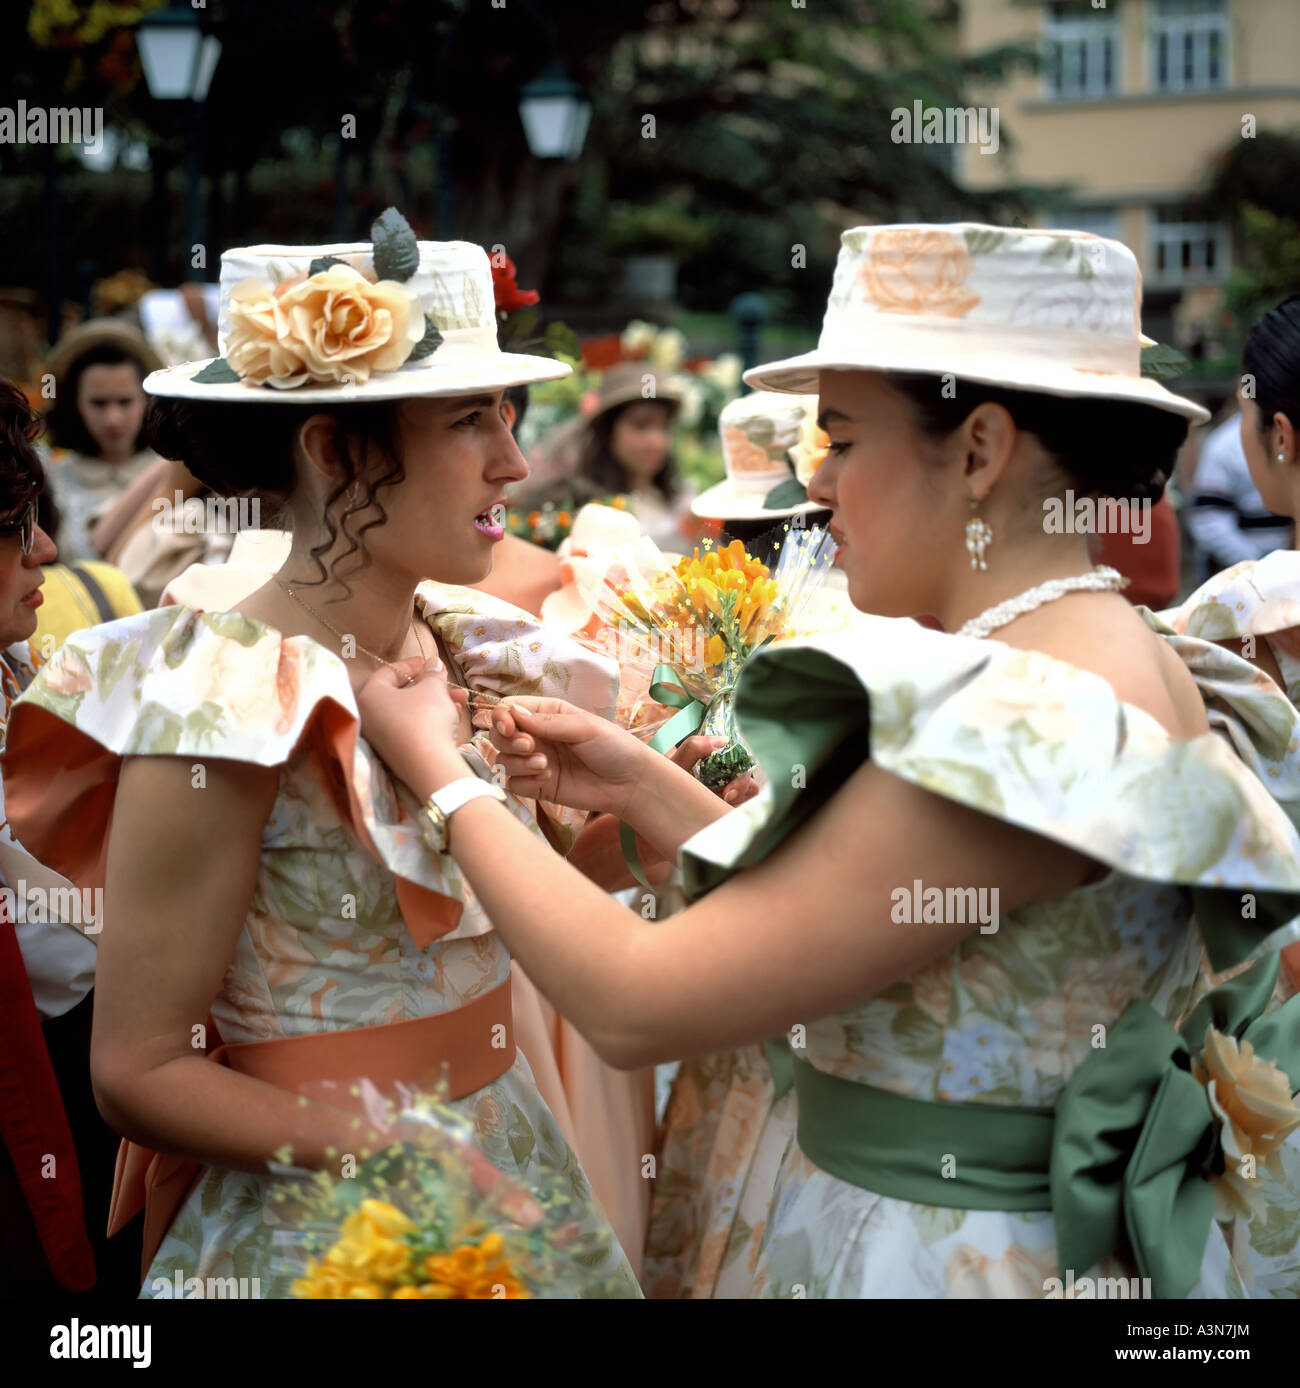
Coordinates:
467 1048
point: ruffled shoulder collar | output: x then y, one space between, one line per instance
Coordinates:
508 651
1021 736
179 682
1259 598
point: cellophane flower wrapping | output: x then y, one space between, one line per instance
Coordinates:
703 616
424 1215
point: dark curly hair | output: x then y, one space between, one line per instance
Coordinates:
248 450
1272 356
22 478
598 466
64 425
1116 448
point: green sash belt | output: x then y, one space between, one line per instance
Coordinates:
1124 1161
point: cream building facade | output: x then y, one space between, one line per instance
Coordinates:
1135 100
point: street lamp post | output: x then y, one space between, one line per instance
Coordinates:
750 313
555 114
178 61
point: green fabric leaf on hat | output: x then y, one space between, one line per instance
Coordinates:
218 372
323 262
518 325
1058 248
982 241
429 343
785 494
1161 362
396 251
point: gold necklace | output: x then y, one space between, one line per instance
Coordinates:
374 655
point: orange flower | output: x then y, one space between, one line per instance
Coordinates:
474 1272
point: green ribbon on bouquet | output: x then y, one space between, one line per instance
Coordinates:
666 687
1124 1161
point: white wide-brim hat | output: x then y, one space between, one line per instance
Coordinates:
1036 310
448 287
758 431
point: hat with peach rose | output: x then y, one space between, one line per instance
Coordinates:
385 320
763 434
1036 310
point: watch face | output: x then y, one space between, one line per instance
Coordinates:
435 828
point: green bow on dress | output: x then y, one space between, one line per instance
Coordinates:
1124 1160
1136 1141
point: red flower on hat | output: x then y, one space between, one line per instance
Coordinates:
507 293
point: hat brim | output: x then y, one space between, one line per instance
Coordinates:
725 502
407 382
799 376
632 396
86 336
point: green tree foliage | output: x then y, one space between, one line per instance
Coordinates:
1256 182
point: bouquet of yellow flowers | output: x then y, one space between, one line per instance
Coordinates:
429 1218
694 623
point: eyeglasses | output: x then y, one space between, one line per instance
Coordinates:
25 526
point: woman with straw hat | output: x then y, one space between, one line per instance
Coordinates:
974 893
95 426
625 449
304 910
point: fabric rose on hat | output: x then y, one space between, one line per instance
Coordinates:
332 327
918 270
1251 1097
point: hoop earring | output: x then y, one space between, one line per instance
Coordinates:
978 534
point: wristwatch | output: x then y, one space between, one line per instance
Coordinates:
442 804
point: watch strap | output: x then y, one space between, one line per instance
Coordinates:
460 792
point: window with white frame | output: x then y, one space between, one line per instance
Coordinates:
1186 249
1189 45
1080 51
1100 221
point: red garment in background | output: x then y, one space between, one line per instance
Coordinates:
1153 569
34 1126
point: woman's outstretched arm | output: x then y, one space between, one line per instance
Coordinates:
804 934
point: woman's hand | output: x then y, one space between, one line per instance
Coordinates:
405 722
553 750
695 749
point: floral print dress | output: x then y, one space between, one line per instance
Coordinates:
1009 1016
353 921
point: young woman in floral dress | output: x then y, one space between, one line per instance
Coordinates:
976 891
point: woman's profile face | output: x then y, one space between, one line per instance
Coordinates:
640 440
897 528
1269 477
459 456
111 401
20 581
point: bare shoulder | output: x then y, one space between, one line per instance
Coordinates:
1102 633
